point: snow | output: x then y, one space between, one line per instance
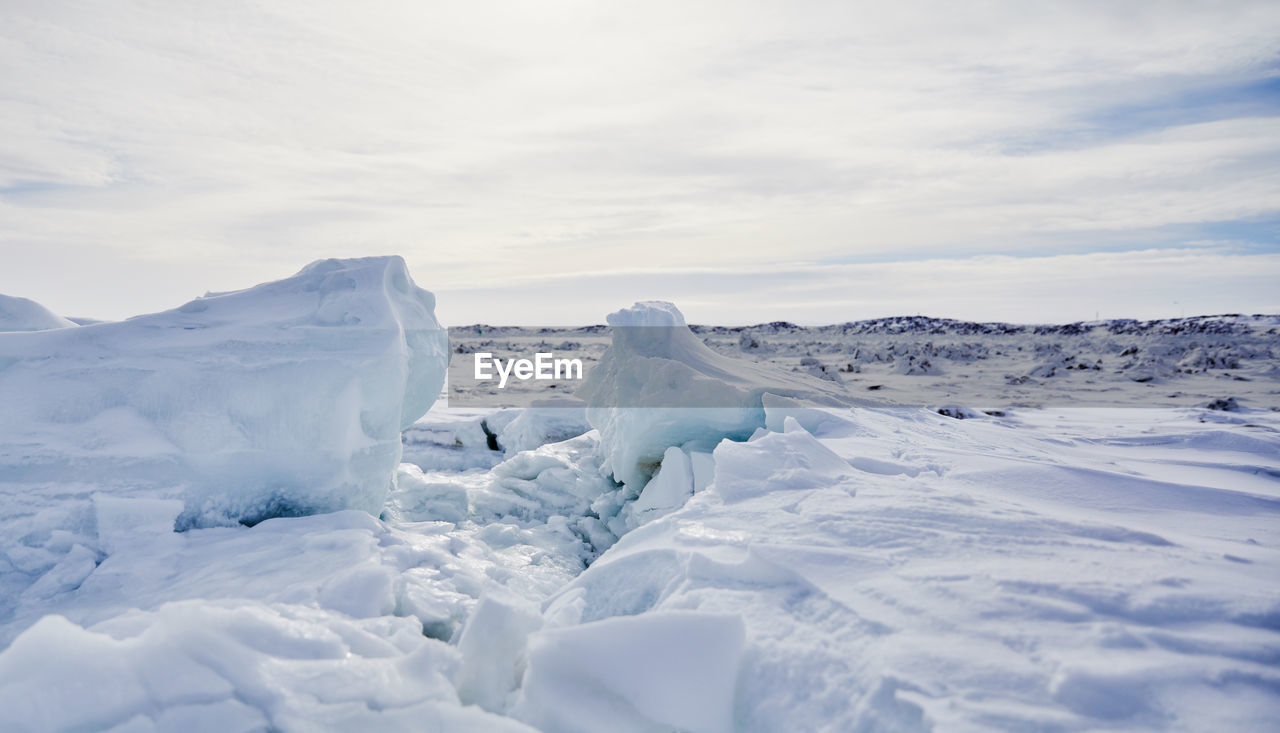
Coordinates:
916 361
766 564
893 569
1044 570
616 674
776 462
286 398
22 314
233 667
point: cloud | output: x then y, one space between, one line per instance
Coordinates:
1052 289
204 146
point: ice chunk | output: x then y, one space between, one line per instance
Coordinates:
455 439
71 571
130 523
481 438
233 666
670 486
536 426
22 314
420 499
812 419
704 469
492 645
656 671
776 461
562 478
345 562
667 491
283 399
363 591
635 439
659 385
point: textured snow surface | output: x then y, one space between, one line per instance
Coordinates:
22 314
890 570
902 570
820 569
241 666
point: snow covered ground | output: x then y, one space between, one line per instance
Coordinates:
798 568
915 361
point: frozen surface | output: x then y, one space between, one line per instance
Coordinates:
901 570
826 569
284 399
892 569
918 361
241 666
23 314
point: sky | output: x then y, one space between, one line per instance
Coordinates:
545 163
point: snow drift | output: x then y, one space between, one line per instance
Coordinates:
283 399
22 314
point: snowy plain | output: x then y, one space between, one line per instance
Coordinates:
347 562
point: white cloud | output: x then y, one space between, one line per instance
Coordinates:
1053 289
206 145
